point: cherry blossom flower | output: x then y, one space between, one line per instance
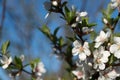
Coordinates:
100 58
22 57
79 15
80 50
115 48
101 38
114 4
78 74
39 69
5 61
109 76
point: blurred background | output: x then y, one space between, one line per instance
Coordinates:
19 23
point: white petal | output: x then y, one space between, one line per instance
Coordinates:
97 44
82 56
113 48
87 52
5 66
102 66
83 14
117 40
75 51
106 53
114 5
10 60
76 43
117 54
102 34
77 73
86 45
112 74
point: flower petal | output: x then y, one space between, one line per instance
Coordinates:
117 40
75 51
113 48
82 56
117 54
76 43
97 44
5 66
102 66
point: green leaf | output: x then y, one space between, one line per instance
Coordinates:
33 62
91 25
18 62
111 59
56 30
5 47
45 30
61 41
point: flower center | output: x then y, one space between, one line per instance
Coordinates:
98 60
81 49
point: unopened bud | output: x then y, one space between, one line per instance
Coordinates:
54 3
105 21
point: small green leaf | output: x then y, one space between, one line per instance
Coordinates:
33 62
18 62
91 25
56 30
61 41
45 30
5 47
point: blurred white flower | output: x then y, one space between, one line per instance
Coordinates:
101 38
78 74
100 58
115 48
80 50
39 69
22 57
74 25
114 4
86 29
109 76
83 14
5 61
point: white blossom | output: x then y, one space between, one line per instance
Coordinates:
80 50
101 38
100 58
22 57
114 4
39 69
83 14
115 48
78 74
109 76
5 61
86 29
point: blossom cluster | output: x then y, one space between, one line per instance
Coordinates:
15 65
